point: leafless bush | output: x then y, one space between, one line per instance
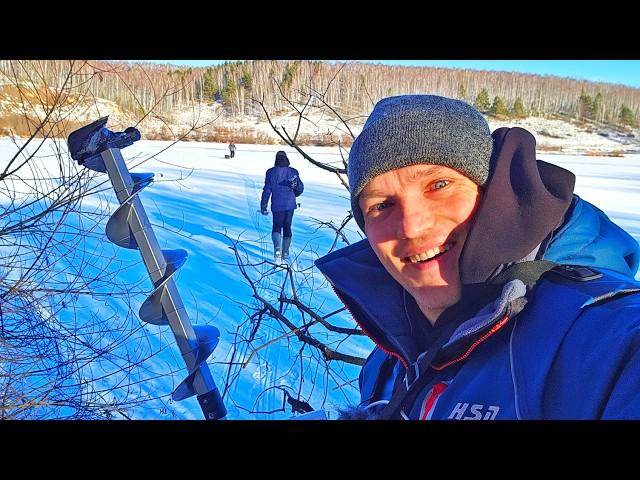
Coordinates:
544 147
68 348
218 134
285 312
606 153
284 321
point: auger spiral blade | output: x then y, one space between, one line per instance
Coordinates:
97 148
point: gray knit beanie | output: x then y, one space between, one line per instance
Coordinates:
413 129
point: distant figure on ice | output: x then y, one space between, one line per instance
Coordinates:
283 184
232 150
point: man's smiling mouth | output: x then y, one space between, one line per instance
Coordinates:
429 254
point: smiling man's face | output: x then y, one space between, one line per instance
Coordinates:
417 219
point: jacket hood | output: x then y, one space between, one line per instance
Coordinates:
281 159
523 201
588 237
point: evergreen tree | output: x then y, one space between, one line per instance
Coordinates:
518 110
482 101
596 107
228 93
245 80
585 106
209 84
498 108
462 92
627 117
289 73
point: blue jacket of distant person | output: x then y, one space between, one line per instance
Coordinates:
283 184
573 352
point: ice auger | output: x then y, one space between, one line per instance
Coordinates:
97 148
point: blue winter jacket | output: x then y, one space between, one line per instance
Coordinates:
572 353
277 184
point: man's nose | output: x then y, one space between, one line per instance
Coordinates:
416 219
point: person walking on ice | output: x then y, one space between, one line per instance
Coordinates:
232 150
283 184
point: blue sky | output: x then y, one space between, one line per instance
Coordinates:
626 72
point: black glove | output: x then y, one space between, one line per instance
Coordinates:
264 211
293 183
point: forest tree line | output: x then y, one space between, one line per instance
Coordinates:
350 87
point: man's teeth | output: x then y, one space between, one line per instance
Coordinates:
421 257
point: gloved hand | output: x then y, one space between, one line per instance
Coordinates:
293 183
264 211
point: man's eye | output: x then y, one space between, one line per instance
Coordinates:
378 207
440 184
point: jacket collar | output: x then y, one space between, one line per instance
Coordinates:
386 313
